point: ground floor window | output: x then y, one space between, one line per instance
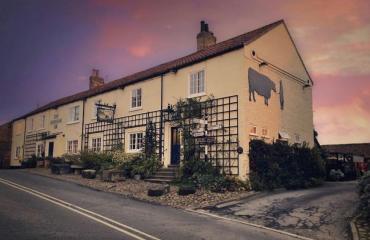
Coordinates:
72 146
136 141
18 152
40 150
96 144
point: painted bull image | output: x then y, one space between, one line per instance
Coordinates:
261 84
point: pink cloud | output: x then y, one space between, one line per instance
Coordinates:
142 50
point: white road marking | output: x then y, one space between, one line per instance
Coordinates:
249 224
135 233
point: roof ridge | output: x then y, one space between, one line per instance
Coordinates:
192 58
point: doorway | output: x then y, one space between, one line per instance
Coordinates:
175 146
51 149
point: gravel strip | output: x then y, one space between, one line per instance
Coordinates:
138 190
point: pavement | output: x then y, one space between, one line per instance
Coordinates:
36 207
318 213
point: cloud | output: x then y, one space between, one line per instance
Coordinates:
140 50
343 123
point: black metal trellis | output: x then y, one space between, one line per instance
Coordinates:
222 151
221 111
114 133
30 143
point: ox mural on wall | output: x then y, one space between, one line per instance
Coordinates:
260 84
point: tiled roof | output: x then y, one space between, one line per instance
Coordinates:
212 51
362 149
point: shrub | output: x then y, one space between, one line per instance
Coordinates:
364 192
139 164
74 159
97 160
30 162
280 165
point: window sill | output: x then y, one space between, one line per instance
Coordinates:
136 109
134 151
72 122
197 95
253 134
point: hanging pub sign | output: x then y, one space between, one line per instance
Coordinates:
105 112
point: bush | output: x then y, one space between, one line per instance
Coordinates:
364 192
97 160
280 165
203 175
74 159
30 162
139 164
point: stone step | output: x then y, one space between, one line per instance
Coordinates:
169 174
158 180
163 176
166 170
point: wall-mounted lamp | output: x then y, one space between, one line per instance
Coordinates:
307 84
262 64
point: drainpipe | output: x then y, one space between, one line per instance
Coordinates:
161 122
82 124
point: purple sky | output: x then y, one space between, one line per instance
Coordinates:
48 48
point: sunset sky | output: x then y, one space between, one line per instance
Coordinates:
48 48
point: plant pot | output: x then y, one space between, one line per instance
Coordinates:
137 177
186 190
60 168
89 173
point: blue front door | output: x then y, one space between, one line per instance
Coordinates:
175 146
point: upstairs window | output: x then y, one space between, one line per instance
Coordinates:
96 144
74 114
31 124
136 141
197 83
43 121
136 98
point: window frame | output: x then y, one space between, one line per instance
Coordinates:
254 133
135 143
72 146
198 93
74 114
40 149
137 98
95 147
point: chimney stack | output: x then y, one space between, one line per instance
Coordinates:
95 80
205 38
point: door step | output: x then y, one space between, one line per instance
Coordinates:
164 175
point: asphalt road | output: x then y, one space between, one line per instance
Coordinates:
319 213
26 214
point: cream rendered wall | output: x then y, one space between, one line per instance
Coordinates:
224 76
66 129
70 130
18 128
277 48
110 98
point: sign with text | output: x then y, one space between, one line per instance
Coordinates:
105 113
